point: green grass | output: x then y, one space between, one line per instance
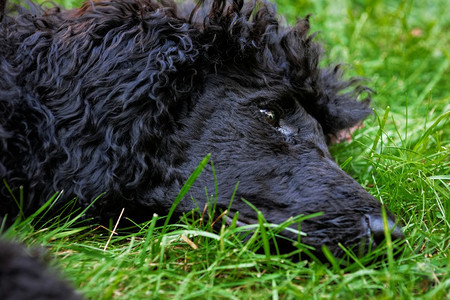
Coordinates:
401 156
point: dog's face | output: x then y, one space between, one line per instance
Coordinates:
264 139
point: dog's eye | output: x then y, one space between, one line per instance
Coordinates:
272 117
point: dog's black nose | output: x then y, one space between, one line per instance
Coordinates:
375 228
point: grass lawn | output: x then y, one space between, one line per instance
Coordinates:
401 156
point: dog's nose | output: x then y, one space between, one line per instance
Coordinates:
376 229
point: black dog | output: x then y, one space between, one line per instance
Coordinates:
125 97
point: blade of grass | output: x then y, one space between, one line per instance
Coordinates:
186 187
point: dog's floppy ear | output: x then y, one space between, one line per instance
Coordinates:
337 106
334 102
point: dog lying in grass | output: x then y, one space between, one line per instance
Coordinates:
124 98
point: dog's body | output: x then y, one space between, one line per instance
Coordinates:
126 97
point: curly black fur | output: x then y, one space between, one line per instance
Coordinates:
125 98
24 276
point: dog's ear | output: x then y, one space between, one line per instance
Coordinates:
337 104
334 102
143 49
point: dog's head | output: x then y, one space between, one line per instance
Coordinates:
265 110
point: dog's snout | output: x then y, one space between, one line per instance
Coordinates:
375 228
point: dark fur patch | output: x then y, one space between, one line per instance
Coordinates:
23 276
